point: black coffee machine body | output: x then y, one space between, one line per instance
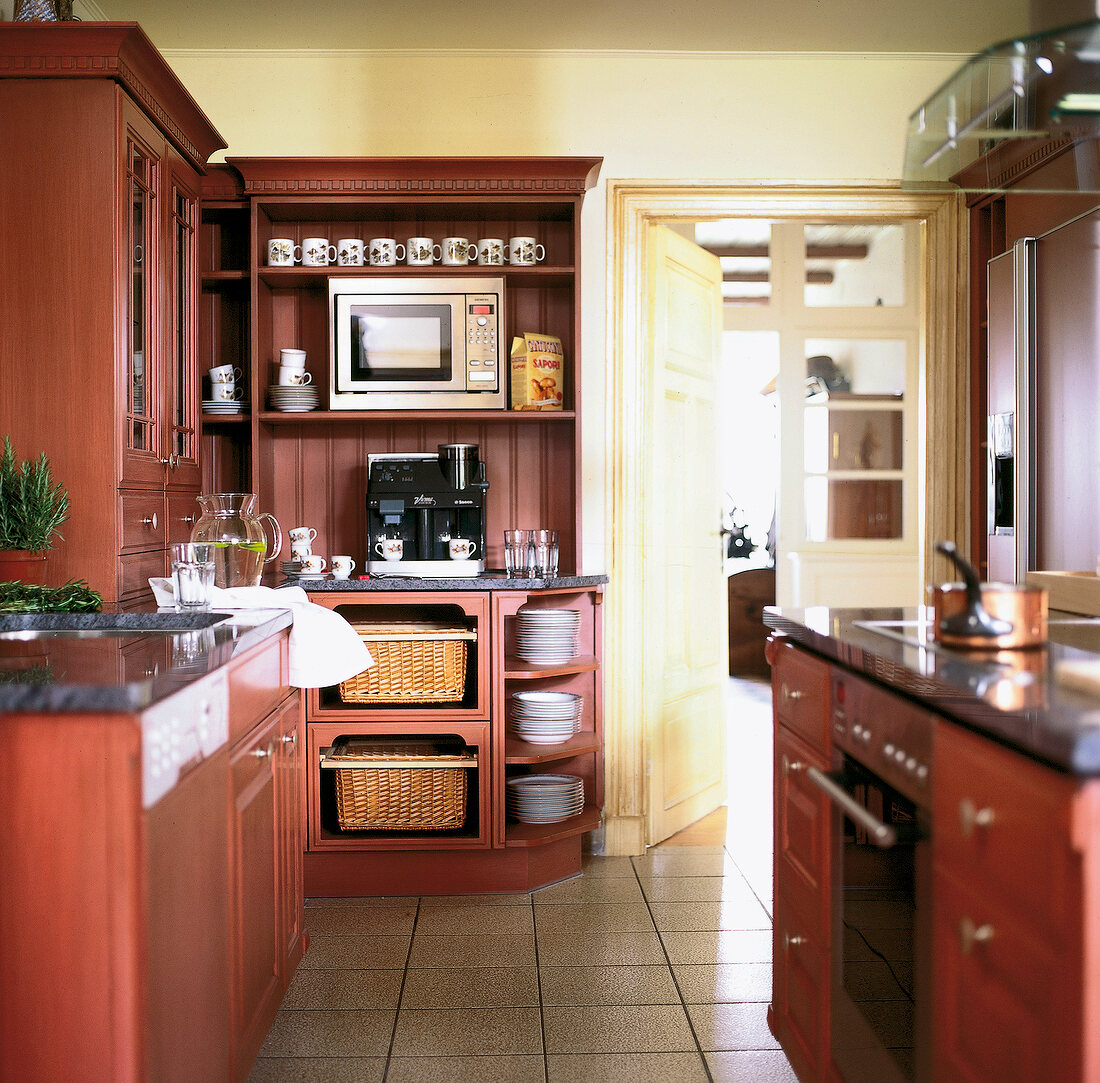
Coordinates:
426 513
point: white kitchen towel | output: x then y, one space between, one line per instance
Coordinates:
324 648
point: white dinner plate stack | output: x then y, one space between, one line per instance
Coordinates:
544 799
547 636
546 718
293 400
220 406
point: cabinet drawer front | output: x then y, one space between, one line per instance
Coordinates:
134 572
257 685
800 687
800 992
183 514
1005 821
141 520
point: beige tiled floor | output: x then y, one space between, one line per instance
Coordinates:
648 968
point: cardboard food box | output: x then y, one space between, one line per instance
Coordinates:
538 372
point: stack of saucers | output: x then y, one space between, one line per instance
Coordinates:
292 569
292 399
544 799
221 406
546 718
546 636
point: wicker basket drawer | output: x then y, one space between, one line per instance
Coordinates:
420 662
398 784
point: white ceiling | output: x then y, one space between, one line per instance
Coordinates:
937 26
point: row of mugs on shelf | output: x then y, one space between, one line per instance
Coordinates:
311 563
416 252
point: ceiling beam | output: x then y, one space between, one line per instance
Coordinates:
813 251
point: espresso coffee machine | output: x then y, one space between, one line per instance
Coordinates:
434 506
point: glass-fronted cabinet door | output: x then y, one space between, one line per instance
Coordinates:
142 461
181 377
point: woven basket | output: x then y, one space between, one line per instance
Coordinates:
413 663
400 787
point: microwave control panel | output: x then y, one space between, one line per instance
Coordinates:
482 341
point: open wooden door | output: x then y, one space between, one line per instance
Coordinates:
685 608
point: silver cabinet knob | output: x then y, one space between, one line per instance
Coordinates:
971 934
792 693
150 521
971 817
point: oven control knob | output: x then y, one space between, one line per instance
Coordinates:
888 749
857 731
866 735
899 756
911 764
922 772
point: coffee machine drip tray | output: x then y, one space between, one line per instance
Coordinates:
427 569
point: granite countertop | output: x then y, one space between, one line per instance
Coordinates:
136 660
1014 697
487 581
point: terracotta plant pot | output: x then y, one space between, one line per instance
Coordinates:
23 565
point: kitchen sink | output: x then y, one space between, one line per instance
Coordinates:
97 625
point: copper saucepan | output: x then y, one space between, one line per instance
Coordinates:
986 616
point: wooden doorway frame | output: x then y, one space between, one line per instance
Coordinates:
632 207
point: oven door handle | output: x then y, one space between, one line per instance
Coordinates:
882 835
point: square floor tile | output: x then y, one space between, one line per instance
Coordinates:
371 900
489 987
516 1068
455 919
579 985
363 951
520 899
760 1066
626 1068
425 1032
680 863
607 889
633 1028
343 989
361 918
731 1026
483 949
714 983
695 917
574 918
597 867
599 949
731 889
329 1034
318 1070
734 946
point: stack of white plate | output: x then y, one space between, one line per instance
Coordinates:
544 799
293 400
546 718
547 636
220 406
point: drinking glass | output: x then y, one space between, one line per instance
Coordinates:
544 544
517 553
193 572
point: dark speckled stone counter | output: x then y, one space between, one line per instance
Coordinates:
489 581
133 662
1014 697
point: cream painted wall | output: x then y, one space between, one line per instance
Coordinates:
733 118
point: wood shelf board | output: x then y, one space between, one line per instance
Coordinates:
419 417
517 669
516 750
317 277
517 834
1071 592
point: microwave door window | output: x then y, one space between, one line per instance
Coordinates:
406 344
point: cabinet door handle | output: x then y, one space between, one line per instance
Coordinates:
150 521
189 520
262 753
971 934
290 739
971 817
792 941
791 693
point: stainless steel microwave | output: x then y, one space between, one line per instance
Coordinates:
416 343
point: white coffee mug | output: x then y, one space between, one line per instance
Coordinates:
294 377
384 252
422 252
390 548
292 359
342 567
461 548
317 252
282 252
349 252
457 251
225 374
523 251
314 564
305 534
227 392
490 252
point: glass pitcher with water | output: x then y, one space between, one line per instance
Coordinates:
230 522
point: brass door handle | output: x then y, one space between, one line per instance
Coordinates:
971 817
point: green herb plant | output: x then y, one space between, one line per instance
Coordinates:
74 596
32 505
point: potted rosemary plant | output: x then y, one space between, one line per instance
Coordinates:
32 508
